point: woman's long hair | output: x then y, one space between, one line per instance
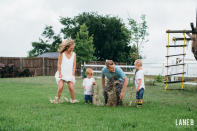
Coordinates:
65 45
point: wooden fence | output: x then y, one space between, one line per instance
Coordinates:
46 66
97 67
37 66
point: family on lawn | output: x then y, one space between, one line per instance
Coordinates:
114 74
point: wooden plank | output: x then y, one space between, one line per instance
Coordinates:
175 55
180 39
179 31
174 65
172 82
175 74
176 45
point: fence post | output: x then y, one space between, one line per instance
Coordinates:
96 70
80 67
129 76
163 69
21 63
187 70
43 66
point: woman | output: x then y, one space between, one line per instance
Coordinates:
66 69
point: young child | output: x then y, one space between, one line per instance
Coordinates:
88 85
139 82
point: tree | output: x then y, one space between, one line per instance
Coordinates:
138 33
48 42
84 47
38 48
111 37
51 38
133 54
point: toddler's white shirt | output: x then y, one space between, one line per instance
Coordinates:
88 83
139 75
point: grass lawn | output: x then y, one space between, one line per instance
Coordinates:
24 106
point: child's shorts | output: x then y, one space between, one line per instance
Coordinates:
140 93
88 98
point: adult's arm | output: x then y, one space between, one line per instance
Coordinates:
103 84
74 65
59 64
123 76
125 83
103 79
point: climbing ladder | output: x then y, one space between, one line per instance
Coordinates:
184 39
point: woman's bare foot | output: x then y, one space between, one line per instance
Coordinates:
73 101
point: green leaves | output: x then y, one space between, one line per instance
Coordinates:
38 48
48 32
138 32
112 39
48 42
84 47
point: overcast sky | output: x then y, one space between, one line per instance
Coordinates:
22 21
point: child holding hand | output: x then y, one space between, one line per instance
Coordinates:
139 82
88 85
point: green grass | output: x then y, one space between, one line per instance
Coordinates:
24 106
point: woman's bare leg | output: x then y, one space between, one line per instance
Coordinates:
71 89
60 89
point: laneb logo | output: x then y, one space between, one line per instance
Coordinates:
184 122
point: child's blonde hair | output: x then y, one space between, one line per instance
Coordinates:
138 62
65 45
89 71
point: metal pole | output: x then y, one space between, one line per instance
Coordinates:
167 61
43 67
183 60
196 17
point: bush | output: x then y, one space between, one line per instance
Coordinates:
158 78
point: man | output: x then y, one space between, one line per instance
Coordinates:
194 42
115 75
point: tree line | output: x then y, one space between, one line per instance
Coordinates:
97 37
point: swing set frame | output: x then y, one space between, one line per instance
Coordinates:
184 39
